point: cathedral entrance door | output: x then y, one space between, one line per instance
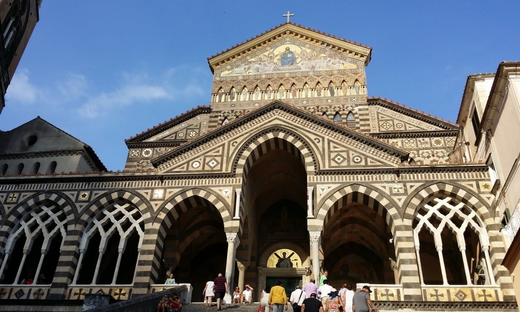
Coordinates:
289 283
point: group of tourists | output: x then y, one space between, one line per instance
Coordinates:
309 298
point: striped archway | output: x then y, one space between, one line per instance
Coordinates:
67 264
461 194
164 219
270 139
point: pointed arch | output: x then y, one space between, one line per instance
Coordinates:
244 94
257 93
294 91
331 89
232 94
269 92
221 95
357 87
318 90
281 92
337 117
306 90
344 88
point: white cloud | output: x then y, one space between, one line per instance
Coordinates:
74 87
126 95
21 90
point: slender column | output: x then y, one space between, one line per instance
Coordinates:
314 237
98 264
310 207
17 278
37 274
232 241
241 275
489 270
78 267
462 249
116 271
443 267
6 258
238 192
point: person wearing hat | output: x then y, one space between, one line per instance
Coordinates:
361 301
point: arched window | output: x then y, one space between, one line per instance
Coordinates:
344 88
20 168
225 121
256 94
269 93
52 167
306 90
324 115
110 246
221 96
33 247
337 117
294 91
357 87
232 94
35 168
452 245
351 120
4 169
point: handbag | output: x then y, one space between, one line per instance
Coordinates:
260 308
296 307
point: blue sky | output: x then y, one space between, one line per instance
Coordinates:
104 71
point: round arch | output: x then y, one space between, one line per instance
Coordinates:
274 138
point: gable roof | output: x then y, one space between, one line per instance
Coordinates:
343 129
38 136
287 29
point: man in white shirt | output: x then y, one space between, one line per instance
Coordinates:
324 292
247 295
296 299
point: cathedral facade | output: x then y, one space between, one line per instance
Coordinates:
292 169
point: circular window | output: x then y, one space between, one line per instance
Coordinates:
31 140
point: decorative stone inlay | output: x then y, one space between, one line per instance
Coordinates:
226 192
460 295
338 159
195 164
357 159
84 196
158 194
135 153
212 163
147 152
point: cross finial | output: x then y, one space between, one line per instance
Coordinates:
288 15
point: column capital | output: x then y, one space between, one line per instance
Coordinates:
232 238
314 236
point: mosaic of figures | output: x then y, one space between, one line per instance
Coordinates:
291 55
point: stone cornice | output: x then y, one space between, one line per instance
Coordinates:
407 170
415 134
445 306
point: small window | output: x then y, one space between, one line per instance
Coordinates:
52 167
351 120
475 121
35 168
4 168
325 116
31 140
337 117
20 168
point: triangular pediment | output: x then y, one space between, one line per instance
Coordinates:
293 47
176 130
390 117
335 146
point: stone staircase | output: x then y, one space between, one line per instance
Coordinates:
200 307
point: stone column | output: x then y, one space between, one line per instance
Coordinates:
314 237
310 207
238 192
241 274
232 241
